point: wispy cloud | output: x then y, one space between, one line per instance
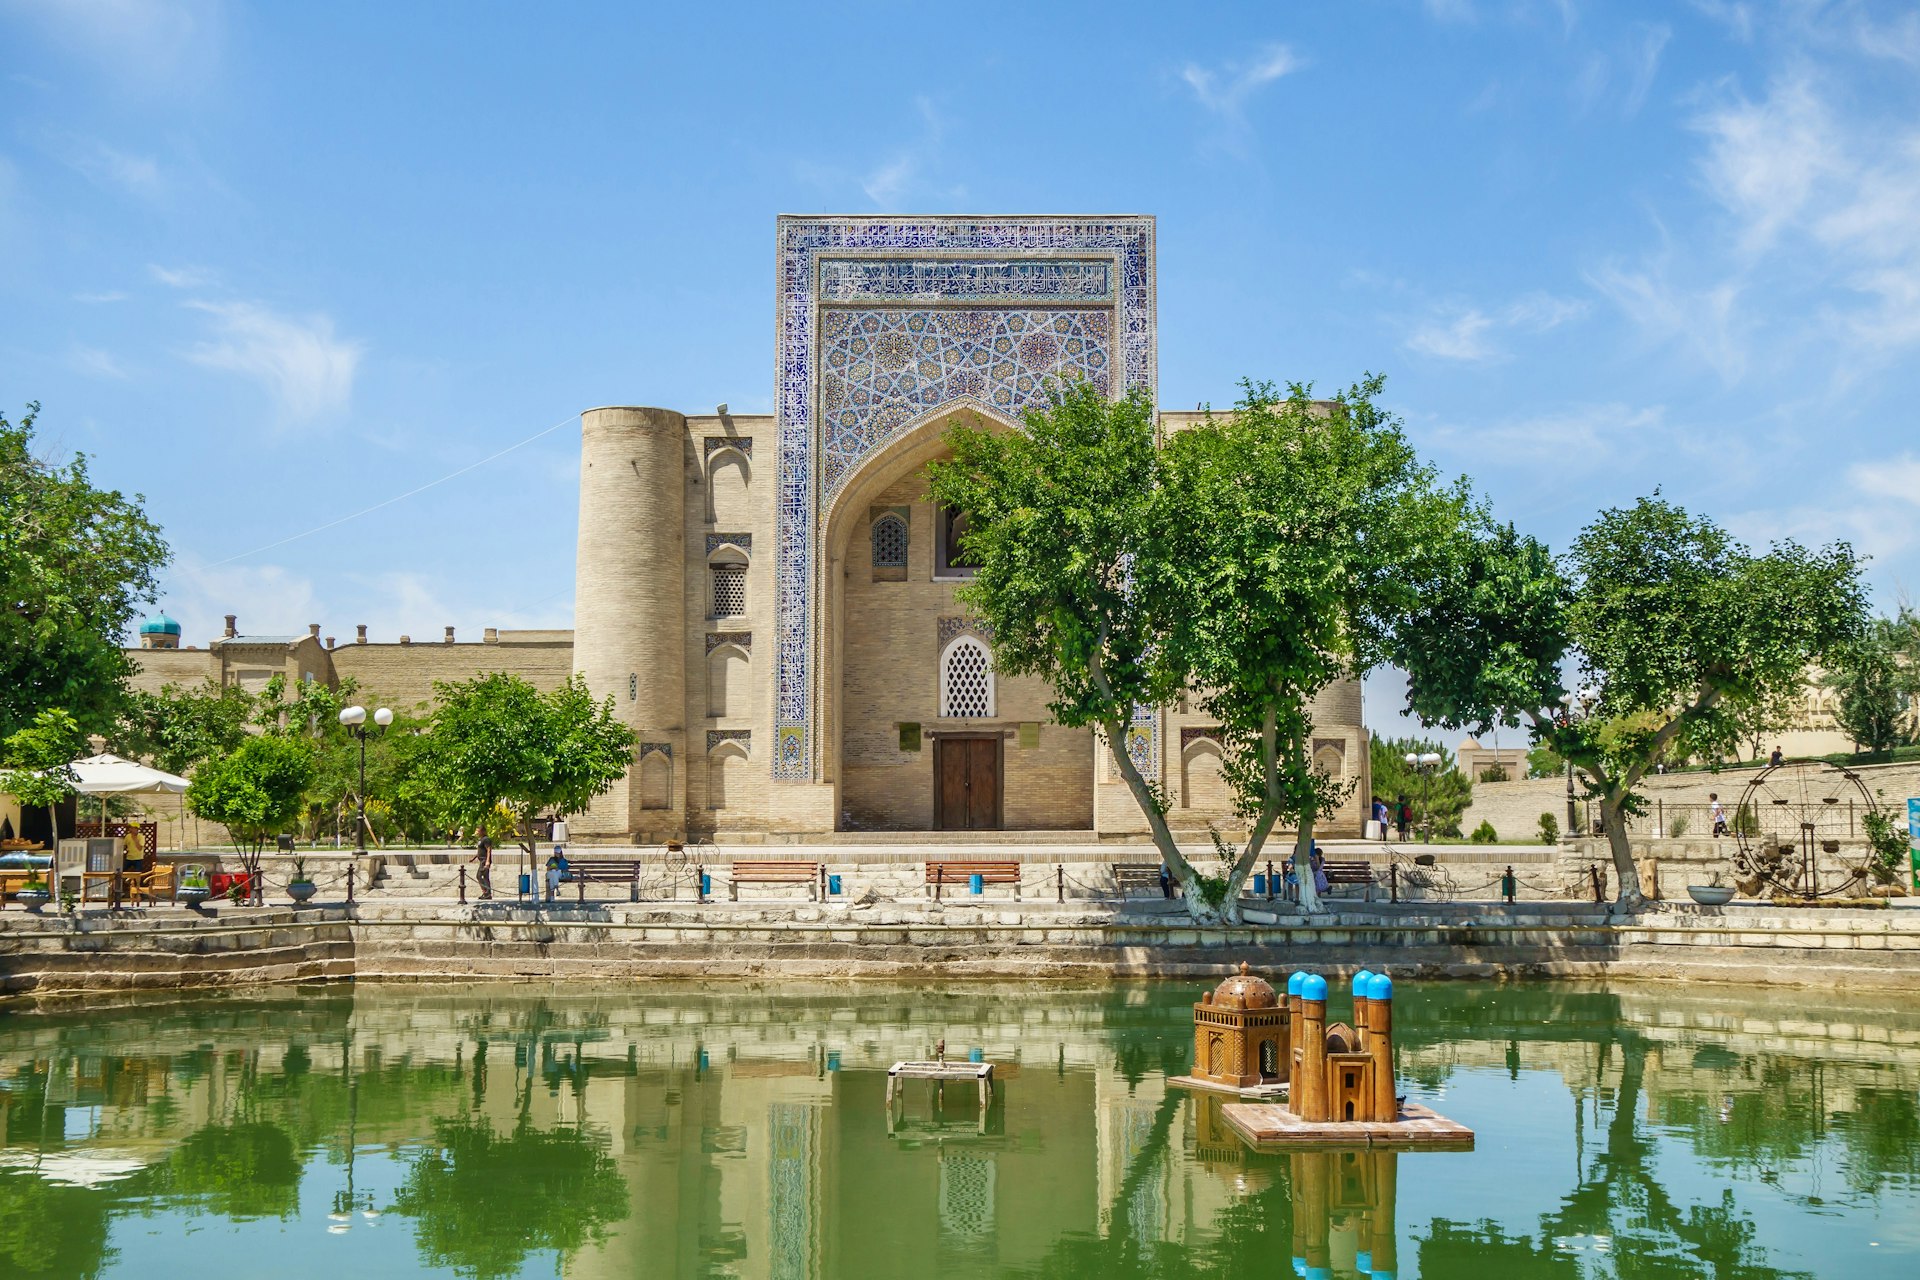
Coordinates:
96 299
1450 10
299 361
1764 159
1471 334
1593 433
1647 43
1895 478
1703 318
95 363
1225 90
181 277
905 174
147 45
111 167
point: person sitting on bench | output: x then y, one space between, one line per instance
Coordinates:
556 871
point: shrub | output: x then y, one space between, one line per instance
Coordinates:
1484 834
1678 826
1549 829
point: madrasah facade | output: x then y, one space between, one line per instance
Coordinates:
769 600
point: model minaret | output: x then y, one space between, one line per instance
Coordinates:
1379 1044
1309 1088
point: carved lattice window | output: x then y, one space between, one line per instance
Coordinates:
966 681
889 543
729 590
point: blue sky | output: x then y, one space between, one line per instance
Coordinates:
271 265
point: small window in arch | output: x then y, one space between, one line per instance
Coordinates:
950 560
890 543
966 681
729 590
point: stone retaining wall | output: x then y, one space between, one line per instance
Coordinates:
602 942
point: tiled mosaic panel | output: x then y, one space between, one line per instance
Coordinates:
803 245
965 280
879 369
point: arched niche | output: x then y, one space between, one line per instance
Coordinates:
729 682
1203 785
656 781
966 680
729 476
726 769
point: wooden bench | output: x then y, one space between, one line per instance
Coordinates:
1128 876
782 872
1349 873
586 871
956 872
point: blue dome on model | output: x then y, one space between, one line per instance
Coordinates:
1313 987
1380 987
1360 981
160 625
1294 980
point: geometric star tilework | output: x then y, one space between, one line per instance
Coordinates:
878 368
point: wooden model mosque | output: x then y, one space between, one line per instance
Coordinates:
1337 1079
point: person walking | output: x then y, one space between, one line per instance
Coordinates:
1405 817
1718 814
483 855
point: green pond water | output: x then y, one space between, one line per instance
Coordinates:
743 1130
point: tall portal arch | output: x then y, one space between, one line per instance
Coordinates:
884 323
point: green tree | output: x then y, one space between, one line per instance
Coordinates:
497 741
1875 681
1442 796
1677 626
1251 561
75 562
482 1201
256 791
178 727
39 760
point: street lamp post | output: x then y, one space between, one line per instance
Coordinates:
1424 764
354 718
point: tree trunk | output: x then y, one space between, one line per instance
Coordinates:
1613 813
1303 867
1228 912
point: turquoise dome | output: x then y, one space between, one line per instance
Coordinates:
159 625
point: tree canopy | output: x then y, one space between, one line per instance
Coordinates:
1675 628
75 562
37 762
178 727
1250 561
497 741
256 791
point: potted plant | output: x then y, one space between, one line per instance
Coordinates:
33 895
300 888
192 887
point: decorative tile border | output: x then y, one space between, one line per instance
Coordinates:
1192 733
1005 280
874 260
744 541
951 627
743 639
742 736
648 748
713 445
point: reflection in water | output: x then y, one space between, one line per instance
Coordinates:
488 1132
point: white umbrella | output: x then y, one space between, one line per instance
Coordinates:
108 774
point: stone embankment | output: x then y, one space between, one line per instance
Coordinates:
174 948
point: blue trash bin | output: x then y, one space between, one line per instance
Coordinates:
833 1059
976 882
1259 886
833 885
706 885
526 884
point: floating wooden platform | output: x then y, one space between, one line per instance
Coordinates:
978 1071
1252 1092
1267 1126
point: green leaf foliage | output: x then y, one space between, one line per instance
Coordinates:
177 728
496 740
37 759
1445 794
1877 679
1681 631
256 791
75 563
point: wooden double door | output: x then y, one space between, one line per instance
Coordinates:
966 783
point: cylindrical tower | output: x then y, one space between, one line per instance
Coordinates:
630 608
1309 1087
1380 1046
1359 989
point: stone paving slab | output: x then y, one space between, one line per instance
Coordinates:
1267 1125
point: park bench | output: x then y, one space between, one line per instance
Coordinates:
1128 876
586 871
956 872
782 872
1349 873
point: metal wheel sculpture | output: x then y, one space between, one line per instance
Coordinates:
1787 817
